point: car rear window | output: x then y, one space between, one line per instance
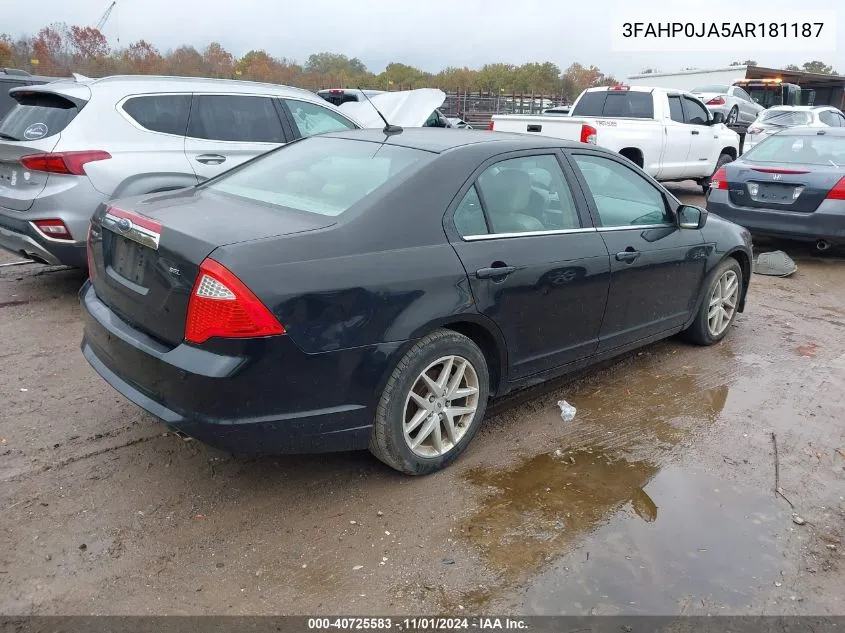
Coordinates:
320 175
615 103
160 113
786 118
800 150
37 115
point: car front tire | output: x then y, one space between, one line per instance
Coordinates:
432 404
719 306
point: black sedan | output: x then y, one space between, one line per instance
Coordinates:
362 290
791 185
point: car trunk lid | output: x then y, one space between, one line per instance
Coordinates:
781 186
146 252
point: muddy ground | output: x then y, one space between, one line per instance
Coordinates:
658 498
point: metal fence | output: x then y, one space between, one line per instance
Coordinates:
476 108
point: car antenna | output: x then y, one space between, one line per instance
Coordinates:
389 129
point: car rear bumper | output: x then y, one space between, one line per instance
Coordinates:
22 238
825 223
250 395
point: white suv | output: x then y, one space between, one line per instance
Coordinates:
71 145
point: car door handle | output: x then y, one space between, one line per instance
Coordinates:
210 159
696 132
494 272
628 255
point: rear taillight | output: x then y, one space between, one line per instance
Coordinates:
221 305
53 229
588 134
621 87
69 163
719 179
716 101
838 191
490 126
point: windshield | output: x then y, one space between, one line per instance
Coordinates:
766 96
319 175
793 149
721 90
786 118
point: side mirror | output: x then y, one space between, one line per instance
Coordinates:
690 217
718 117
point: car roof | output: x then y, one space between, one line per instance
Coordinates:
439 140
801 108
139 84
812 131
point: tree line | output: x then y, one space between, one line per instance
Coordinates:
58 50
814 66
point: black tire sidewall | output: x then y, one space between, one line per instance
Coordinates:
391 409
702 320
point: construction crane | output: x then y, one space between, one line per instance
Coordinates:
106 15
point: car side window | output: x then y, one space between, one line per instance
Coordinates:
527 194
739 92
160 113
244 119
841 118
311 119
676 112
469 216
828 118
622 196
694 112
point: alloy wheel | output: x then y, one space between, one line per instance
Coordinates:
441 406
723 302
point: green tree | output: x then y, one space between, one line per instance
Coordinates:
817 66
334 64
218 61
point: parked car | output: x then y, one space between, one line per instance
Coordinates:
790 185
339 96
458 122
734 104
14 78
70 145
778 118
363 289
668 133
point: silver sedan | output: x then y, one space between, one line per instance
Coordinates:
732 102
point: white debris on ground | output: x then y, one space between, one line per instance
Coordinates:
567 411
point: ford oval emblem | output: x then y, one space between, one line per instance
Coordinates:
124 225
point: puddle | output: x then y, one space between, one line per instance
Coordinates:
585 531
709 548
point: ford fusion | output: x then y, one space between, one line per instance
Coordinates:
369 290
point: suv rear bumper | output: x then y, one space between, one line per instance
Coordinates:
20 237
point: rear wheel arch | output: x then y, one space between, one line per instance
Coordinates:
153 183
728 151
633 154
745 264
490 344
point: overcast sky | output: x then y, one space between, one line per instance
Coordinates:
429 34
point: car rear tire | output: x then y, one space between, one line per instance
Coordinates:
733 115
718 309
724 159
432 404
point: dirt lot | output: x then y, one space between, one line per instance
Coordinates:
658 498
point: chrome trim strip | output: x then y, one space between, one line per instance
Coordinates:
638 227
136 233
496 236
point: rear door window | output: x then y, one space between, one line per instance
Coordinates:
238 118
160 113
310 118
829 118
38 115
676 112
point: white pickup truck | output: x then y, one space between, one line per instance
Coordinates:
669 133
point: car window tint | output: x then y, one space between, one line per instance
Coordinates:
841 118
676 112
244 119
527 194
622 196
311 119
38 115
828 118
695 113
800 150
321 175
160 113
739 92
469 216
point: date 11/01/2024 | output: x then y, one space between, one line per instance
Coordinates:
723 29
417 624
